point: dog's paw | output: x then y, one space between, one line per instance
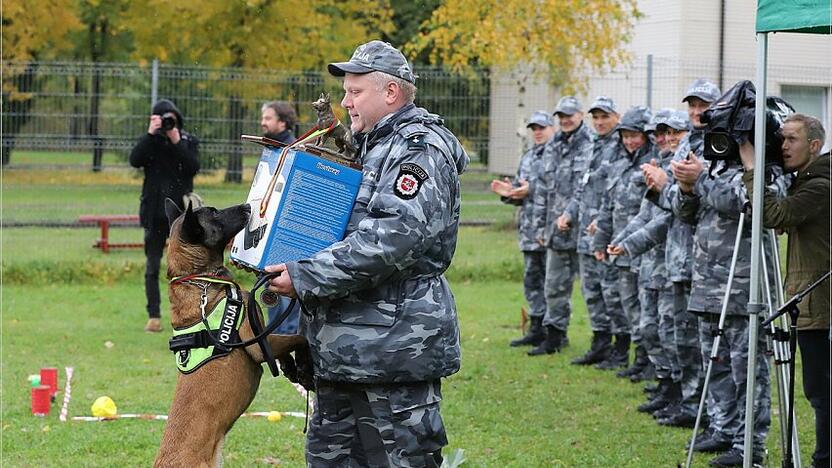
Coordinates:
287 365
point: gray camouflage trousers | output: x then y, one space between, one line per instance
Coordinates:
561 266
727 385
656 329
534 281
610 287
686 339
601 302
628 292
376 425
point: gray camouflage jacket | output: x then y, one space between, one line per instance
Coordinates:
642 238
565 162
529 169
586 201
714 207
625 189
380 308
678 234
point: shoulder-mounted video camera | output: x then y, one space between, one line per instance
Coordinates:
730 123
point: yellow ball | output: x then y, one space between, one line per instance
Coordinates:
274 416
104 407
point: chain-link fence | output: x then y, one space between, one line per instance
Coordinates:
104 107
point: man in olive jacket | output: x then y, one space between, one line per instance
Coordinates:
804 215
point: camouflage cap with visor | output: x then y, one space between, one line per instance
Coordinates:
375 56
604 104
703 89
541 118
568 105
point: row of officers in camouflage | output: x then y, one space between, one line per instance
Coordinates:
629 207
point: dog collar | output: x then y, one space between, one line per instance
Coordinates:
192 346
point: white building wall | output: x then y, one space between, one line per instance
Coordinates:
683 38
509 111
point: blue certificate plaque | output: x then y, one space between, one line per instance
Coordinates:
300 203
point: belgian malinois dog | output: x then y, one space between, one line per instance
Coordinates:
208 401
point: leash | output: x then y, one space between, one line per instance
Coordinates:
206 338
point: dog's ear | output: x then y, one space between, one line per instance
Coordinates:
171 210
192 231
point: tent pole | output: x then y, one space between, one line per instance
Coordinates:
755 305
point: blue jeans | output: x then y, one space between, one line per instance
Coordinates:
290 325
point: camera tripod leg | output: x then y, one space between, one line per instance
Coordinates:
774 343
717 339
784 360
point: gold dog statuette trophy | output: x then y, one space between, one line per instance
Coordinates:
337 132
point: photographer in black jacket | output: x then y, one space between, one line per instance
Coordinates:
170 158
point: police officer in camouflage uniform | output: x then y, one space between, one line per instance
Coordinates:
714 205
520 192
679 259
625 188
380 317
657 304
606 316
565 162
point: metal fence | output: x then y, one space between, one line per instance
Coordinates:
104 107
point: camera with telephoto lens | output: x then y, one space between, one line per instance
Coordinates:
168 121
730 123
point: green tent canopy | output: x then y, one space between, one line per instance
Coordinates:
798 16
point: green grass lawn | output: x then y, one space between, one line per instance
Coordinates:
62 301
503 408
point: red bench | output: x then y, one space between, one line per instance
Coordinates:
104 222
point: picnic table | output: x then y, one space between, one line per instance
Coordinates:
104 222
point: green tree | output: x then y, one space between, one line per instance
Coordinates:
105 37
294 35
28 35
408 16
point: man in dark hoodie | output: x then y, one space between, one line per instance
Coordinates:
804 215
170 158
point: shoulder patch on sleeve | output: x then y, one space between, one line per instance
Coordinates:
409 181
416 142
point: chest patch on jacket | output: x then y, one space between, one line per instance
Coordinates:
409 181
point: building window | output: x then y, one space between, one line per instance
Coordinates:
810 100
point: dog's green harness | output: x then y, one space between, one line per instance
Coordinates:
192 346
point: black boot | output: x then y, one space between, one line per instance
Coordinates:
619 356
551 344
598 350
534 336
639 363
648 373
669 393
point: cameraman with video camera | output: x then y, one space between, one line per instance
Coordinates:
170 158
712 197
804 215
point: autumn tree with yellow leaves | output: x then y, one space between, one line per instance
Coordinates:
29 35
563 40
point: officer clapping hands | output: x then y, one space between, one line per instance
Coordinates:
687 171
